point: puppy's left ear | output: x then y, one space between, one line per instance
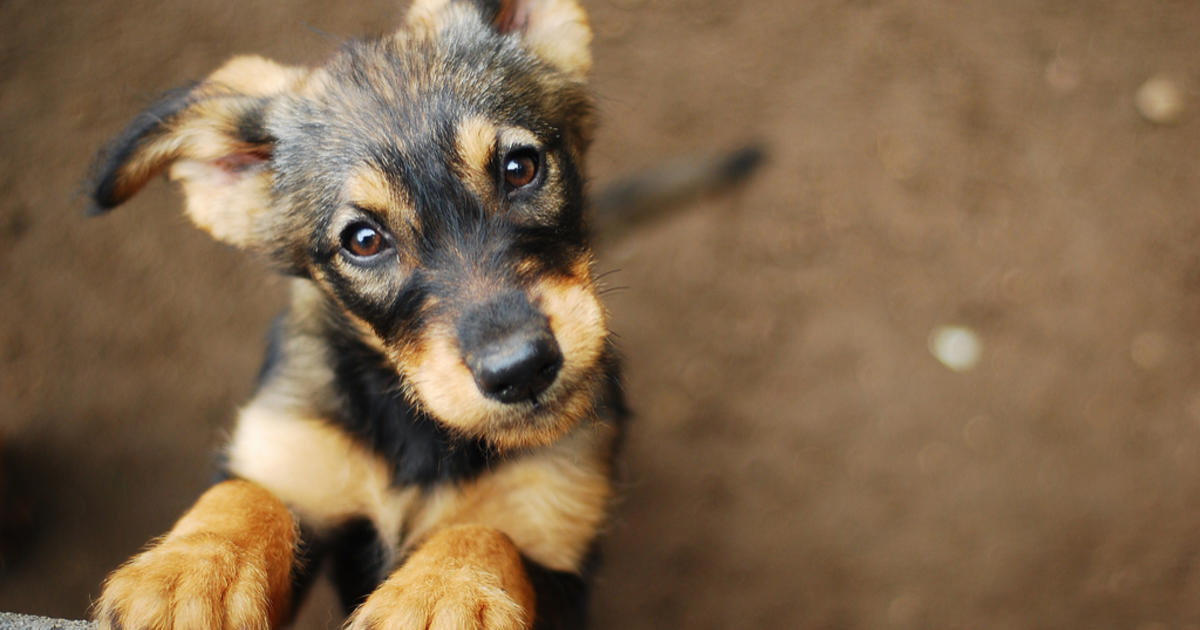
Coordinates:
212 137
557 31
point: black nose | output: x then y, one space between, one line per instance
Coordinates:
509 348
518 368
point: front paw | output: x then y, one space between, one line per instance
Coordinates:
451 600
200 581
465 578
226 564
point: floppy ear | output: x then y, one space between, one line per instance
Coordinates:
557 31
212 136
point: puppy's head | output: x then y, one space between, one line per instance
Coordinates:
429 182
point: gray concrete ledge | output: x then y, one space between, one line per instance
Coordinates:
13 621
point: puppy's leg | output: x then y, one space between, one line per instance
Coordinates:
226 564
466 577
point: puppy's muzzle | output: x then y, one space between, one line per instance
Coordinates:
509 348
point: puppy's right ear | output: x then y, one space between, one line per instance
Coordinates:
214 139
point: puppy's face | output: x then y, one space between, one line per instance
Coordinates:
429 182
449 226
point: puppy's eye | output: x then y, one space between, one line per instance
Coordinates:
363 241
520 168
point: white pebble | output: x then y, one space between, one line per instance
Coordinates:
1160 100
956 347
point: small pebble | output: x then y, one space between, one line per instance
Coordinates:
956 347
1160 100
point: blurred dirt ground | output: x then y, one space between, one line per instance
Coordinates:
800 459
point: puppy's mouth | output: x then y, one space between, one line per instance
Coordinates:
529 405
517 369
529 423
543 407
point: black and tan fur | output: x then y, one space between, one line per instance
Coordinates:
436 420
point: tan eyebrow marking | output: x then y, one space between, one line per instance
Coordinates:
368 187
516 136
475 141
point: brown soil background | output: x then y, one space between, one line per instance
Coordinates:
800 460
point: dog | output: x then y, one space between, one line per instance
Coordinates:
436 420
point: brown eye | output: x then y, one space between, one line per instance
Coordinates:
520 168
363 240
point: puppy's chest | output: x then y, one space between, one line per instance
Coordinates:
550 501
330 476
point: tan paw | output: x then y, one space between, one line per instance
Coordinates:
226 564
196 581
467 578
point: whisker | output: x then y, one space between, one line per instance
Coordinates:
605 274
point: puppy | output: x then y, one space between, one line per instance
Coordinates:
436 419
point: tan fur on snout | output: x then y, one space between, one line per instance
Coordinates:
577 319
443 384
